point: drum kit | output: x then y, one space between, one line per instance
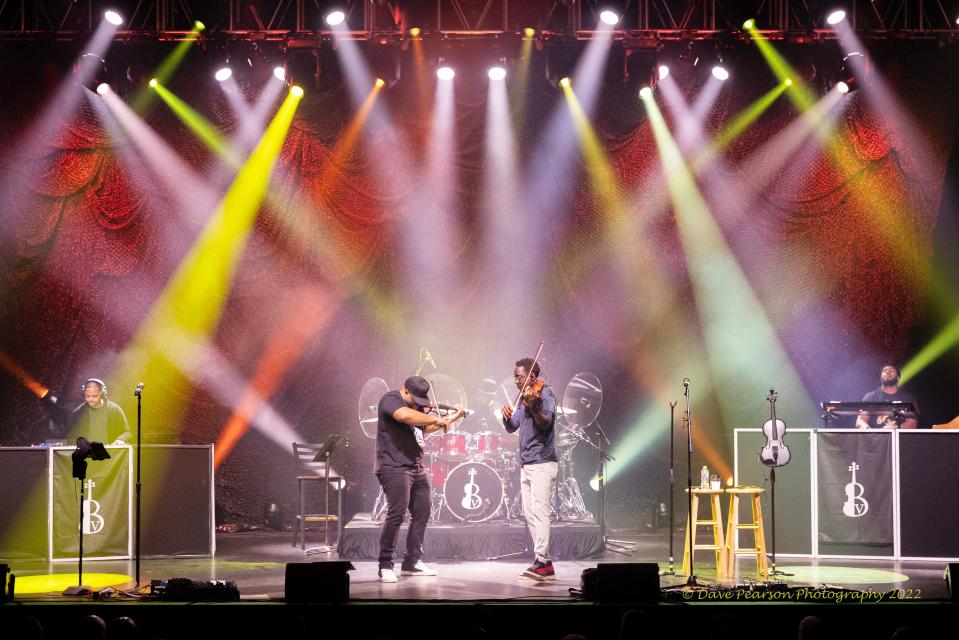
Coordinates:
475 474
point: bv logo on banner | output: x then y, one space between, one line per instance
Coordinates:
855 488
855 505
92 520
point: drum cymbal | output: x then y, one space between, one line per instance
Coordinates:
584 393
373 390
565 411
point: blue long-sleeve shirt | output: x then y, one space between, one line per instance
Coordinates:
535 442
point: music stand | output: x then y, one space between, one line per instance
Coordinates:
323 454
96 451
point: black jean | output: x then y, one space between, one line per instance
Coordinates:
404 490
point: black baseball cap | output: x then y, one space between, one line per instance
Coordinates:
419 388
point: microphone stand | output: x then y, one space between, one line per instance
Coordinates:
672 420
618 546
138 392
691 581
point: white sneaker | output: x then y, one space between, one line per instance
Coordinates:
419 569
387 575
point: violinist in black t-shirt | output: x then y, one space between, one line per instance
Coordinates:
888 391
400 427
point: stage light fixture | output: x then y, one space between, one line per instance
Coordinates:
609 17
223 74
102 88
842 87
720 73
788 82
153 83
496 73
199 26
445 73
415 32
380 82
279 73
646 92
853 65
564 82
749 24
529 33
663 71
113 17
296 91
335 18
836 17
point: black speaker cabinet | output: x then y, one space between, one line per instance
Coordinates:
318 581
622 583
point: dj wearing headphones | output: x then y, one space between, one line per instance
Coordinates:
888 391
99 419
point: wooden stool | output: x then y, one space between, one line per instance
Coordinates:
734 526
715 521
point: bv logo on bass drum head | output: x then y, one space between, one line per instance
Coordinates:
473 492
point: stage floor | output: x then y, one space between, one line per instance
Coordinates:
256 561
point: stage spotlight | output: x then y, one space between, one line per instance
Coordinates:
609 17
564 82
663 72
445 73
788 82
335 18
749 24
199 26
296 91
720 73
113 18
279 73
851 68
380 82
223 74
836 17
153 83
529 33
842 87
646 92
415 32
497 73
102 88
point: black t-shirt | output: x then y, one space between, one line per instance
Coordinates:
878 395
396 445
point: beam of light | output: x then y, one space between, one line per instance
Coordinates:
12 367
798 92
943 342
202 128
191 303
168 67
192 195
307 314
749 115
743 349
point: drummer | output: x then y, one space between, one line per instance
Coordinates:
535 420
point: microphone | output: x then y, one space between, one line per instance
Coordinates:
138 390
685 382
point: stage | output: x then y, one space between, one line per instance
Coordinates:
491 595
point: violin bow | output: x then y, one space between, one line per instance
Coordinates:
528 374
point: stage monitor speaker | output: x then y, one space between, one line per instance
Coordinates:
951 574
621 583
318 581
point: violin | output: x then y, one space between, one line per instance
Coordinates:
533 392
774 453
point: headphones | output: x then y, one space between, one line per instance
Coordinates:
97 381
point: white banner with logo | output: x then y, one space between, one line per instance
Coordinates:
856 488
106 506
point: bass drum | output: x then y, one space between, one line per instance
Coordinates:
473 492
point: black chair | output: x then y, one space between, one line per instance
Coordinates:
309 471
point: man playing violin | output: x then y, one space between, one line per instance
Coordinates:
399 468
534 419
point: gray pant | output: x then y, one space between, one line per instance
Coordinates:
538 484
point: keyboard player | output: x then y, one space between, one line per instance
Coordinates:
888 391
